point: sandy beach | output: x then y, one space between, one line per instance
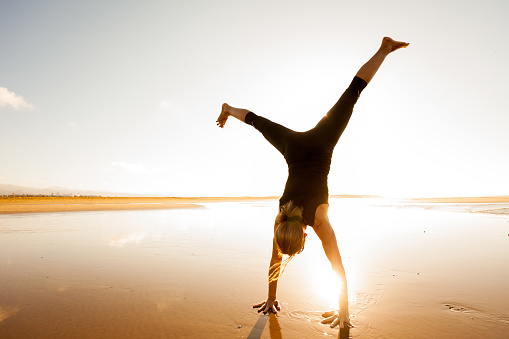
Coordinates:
415 269
13 205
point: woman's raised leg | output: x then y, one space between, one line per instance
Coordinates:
334 123
368 70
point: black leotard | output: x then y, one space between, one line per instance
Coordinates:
308 154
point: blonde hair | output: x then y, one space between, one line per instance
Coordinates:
289 237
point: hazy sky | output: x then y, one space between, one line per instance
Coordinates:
123 95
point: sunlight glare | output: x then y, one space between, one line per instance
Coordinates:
324 280
121 240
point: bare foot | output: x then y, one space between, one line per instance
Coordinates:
224 115
389 45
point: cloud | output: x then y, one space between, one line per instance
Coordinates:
8 98
165 104
72 124
125 167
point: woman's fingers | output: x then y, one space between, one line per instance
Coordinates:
268 306
342 323
336 322
328 314
261 306
336 319
329 319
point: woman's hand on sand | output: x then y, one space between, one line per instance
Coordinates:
269 305
341 318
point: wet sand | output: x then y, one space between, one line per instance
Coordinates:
10 205
194 272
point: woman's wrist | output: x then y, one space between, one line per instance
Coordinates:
343 302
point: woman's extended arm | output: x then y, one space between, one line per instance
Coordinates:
326 234
272 304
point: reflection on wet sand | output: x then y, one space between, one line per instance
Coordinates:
274 327
344 333
7 311
275 331
121 240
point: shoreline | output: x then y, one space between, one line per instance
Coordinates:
462 200
34 204
18 205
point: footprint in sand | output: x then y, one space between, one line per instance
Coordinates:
457 308
476 314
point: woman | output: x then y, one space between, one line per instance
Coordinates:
305 198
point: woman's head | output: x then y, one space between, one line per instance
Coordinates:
289 237
289 232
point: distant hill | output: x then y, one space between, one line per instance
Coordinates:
19 190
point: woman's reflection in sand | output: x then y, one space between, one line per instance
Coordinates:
276 333
344 333
274 328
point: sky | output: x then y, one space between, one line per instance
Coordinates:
123 95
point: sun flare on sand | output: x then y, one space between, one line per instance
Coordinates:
323 281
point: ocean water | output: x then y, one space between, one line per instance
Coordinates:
484 208
187 273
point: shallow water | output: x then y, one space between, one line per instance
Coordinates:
500 208
193 273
